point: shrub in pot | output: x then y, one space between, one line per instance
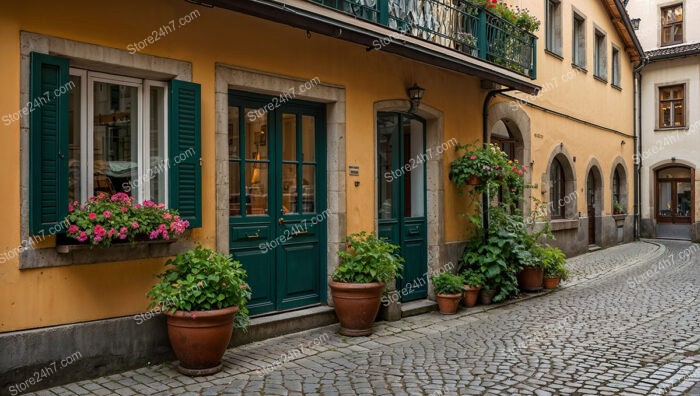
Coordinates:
554 263
358 282
473 282
448 292
204 295
531 274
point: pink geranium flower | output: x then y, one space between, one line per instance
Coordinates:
473 157
124 209
134 224
82 237
107 214
73 229
93 216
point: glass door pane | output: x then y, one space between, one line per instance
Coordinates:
386 142
665 200
115 137
414 164
683 201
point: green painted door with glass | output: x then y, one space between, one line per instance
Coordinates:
277 196
402 196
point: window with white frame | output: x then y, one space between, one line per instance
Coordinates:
117 136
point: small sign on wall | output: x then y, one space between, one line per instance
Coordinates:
354 170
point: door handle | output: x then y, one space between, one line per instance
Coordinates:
281 220
253 236
301 233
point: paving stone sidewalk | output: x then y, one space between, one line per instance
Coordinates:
612 329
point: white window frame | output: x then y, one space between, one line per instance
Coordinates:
87 144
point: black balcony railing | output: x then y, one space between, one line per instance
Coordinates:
456 24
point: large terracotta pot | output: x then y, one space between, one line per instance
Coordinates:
486 296
356 305
474 180
448 303
531 278
200 338
471 295
551 282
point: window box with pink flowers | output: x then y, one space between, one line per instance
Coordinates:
106 220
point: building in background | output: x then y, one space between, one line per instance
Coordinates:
670 117
577 134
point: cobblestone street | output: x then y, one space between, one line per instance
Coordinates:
627 322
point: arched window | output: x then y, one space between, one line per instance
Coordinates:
557 185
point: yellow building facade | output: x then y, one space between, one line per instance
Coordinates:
293 110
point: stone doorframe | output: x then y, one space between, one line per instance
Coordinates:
435 191
231 77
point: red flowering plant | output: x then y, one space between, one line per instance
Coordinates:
517 16
104 219
486 163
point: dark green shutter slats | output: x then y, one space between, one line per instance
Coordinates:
48 143
185 124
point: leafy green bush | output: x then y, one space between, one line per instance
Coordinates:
472 278
368 259
554 262
447 283
202 279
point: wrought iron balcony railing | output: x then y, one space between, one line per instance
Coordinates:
456 24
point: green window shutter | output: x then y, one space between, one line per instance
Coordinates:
48 143
185 125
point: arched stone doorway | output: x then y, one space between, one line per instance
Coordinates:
594 202
510 130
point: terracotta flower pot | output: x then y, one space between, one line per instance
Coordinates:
471 295
356 305
448 303
200 338
486 296
551 282
531 278
474 181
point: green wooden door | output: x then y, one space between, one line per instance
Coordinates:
401 205
277 199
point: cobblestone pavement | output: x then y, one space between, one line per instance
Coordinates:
614 328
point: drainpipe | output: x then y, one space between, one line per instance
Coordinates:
637 118
485 199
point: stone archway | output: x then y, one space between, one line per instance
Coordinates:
569 201
619 188
506 124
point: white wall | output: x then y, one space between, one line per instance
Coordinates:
660 146
649 32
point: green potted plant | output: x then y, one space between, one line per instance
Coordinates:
491 259
473 282
554 263
204 295
468 43
531 274
618 208
478 164
358 282
448 292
